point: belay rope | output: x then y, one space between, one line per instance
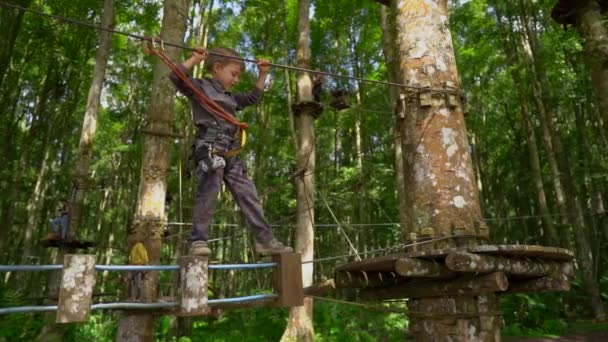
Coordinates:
209 105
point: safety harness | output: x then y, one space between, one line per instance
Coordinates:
214 157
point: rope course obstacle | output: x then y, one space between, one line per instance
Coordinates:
78 279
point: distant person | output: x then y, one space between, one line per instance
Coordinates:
317 86
61 222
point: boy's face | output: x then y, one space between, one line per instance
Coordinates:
227 74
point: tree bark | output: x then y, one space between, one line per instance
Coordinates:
89 125
441 176
149 218
590 24
10 23
299 326
387 19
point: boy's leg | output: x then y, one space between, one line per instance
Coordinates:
246 196
205 201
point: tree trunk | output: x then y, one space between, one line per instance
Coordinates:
149 218
542 94
89 125
10 23
445 195
590 24
387 19
533 152
299 326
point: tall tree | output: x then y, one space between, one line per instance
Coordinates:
149 217
10 24
299 326
445 196
89 125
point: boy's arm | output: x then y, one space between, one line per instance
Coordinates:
246 99
196 58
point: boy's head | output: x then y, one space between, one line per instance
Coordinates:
225 70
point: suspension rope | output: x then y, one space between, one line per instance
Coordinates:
283 66
373 307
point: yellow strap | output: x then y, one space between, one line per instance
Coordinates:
138 255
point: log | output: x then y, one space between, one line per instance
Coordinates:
380 264
76 292
463 286
287 280
192 295
321 289
362 279
529 251
537 285
471 262
419 268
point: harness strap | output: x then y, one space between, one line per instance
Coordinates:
210 105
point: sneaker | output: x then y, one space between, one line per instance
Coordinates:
199 248
272 246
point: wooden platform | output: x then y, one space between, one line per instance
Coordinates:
455 271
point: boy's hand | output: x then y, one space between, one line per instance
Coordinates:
263 66
199 55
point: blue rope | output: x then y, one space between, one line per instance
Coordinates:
244 299
21 309
133 305
26 268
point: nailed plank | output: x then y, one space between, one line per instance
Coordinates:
530 251
76 292
537 285
420 268
364 279
320 289
462 286
527 267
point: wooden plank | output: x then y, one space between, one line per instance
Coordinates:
419 268
76 292
463 286
380 264
320 289
364 279
537 285
192 294
527 267
287 279
530 251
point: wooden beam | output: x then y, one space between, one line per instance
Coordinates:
76 292
192 294
419 268
462 286
320 289
380 264
478 263
362 279
287 279
537 285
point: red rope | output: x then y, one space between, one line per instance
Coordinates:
210 105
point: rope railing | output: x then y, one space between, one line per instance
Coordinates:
139 306
127 268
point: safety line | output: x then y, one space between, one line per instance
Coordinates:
163 43
373 307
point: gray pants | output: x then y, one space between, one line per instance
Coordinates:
244 193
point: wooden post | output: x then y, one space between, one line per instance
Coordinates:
192 296
76 292
287 279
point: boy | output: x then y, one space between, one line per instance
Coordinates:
61 222
215 136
